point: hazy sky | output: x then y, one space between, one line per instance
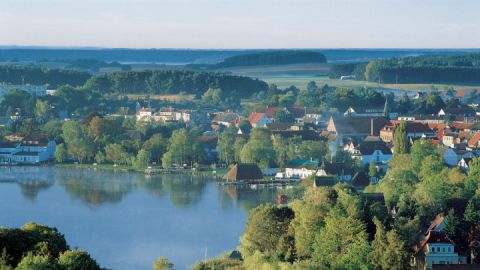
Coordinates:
242 23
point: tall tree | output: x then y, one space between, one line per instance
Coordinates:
400 139
226 145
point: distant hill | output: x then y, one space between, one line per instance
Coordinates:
271 58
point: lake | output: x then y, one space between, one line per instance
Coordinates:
127 220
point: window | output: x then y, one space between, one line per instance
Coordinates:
438 249
443 249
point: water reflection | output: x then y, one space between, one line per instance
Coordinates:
31 180
97 187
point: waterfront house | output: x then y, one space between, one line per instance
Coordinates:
27 151
244 172
301 168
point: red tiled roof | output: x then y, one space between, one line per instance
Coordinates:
460 125
463 134
255 117
473 142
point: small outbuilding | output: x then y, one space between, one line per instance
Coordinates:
244 172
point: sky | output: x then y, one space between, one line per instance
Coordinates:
241 23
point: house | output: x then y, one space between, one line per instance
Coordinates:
227 118
144 115
463 164
27 151
259 119
356 127
372 149
464 111
301 168
415 130
244 172
298 113
435 247
452 156
474 142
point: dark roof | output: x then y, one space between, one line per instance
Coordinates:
244 172
360 125
209 141
433 237
367 148
324 181
360 179
8 144
32 154
34 142
464 110
304 134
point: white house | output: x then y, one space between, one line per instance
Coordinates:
28 151
371 150
301 169
435 247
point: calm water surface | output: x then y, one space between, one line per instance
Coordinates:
127 220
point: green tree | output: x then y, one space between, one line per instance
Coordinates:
226 145
42 108
79 143
265 226
36 262
141 160
213 96
115 153
77 260
400 139
61 154
29 128
388 250
342 243
372 169
162 263
157 146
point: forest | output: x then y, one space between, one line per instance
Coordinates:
17 74
464 68
151 82
271 58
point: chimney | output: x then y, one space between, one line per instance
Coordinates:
371 126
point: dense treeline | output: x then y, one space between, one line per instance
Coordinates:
426 69
272 58
173 82
14 74
36 246
420 69
153 82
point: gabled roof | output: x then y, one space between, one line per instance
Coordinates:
324 181
359 125
244 172
436 223
433 237
229 117
368 148
256 117
473 142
